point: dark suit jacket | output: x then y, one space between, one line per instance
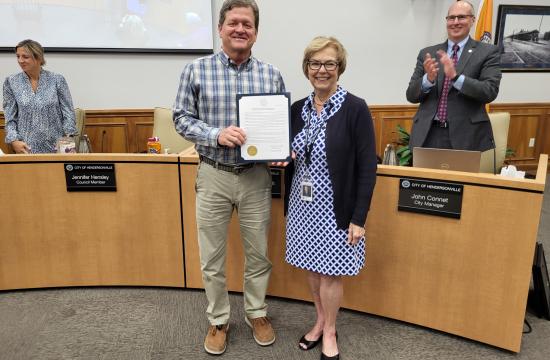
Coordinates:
351 157
469 126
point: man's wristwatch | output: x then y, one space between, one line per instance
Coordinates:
455 78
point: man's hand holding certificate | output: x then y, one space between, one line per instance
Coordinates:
265 118
232 136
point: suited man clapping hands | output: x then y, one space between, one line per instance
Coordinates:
453 82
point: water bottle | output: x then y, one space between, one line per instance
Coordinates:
389 156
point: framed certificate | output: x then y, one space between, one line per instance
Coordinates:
265 118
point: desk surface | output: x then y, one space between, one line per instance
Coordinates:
37 158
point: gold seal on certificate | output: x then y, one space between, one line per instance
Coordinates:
252 150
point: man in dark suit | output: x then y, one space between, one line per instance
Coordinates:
453 82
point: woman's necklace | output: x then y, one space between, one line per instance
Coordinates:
321 101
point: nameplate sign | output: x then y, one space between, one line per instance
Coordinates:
90 177
430 197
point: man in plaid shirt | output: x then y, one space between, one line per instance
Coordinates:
205 112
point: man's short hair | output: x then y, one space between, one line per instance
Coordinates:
34 48
228 5
321 42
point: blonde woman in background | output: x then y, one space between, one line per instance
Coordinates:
38 108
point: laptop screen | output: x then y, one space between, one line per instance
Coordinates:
446 159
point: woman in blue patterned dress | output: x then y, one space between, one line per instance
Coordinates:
37 104
329 187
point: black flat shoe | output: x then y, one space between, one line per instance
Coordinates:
335 357
309 344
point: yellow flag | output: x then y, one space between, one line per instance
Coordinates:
484 23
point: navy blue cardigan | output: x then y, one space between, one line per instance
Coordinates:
351 157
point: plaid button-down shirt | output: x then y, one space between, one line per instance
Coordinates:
207 99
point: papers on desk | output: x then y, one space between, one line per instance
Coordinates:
511 171
265 118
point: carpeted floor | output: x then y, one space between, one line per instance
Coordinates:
152 323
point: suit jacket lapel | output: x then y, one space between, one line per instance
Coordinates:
465 56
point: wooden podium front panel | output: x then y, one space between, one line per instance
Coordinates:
51 237
467 276
235 256
286 281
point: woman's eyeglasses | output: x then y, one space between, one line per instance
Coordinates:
316 65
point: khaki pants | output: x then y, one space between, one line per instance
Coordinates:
218 193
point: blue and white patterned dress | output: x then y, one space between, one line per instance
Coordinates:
38 118
313 241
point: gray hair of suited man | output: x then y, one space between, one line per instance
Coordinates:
228 5
472 9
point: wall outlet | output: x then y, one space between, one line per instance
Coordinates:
532 142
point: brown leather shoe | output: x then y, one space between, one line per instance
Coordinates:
216 339
261 330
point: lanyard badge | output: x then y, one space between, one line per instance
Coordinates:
306 185
306 188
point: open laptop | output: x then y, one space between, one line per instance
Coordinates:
447 159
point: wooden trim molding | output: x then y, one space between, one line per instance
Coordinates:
127 130
98 113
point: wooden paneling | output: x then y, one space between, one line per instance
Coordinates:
128 130
119 131
386 118
111 131
527 121
5 147
543 142
108 138
523 127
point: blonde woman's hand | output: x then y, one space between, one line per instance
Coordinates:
20 147
355 233
283 163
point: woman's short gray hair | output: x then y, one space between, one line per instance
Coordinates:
321 42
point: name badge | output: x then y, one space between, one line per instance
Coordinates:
306 189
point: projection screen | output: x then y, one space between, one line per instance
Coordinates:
157 26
